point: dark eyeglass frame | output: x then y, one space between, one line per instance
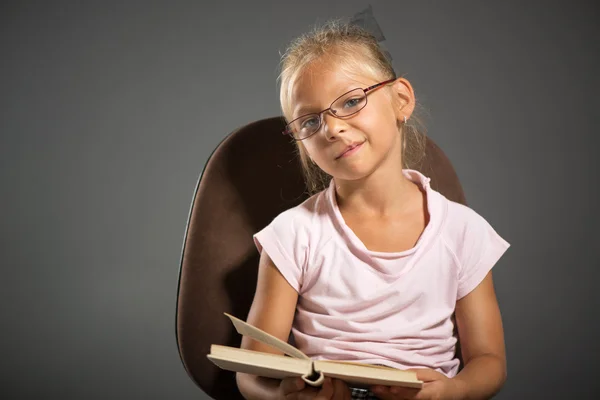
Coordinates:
288 130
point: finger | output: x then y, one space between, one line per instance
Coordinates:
291 385
308 393
383 392
427 375
340 390
404 392
395 392
326 392
427 392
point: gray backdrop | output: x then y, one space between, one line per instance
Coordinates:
109 111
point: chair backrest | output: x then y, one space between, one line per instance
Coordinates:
252 176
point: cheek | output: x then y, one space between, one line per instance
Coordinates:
381 130
309 149
314 148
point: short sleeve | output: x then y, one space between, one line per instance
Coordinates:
286 243
481 248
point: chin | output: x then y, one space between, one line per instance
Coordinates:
352 172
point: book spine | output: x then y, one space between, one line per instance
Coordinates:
315 378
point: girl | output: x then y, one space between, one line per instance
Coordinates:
375 266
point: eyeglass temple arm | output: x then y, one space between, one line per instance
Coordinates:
379 84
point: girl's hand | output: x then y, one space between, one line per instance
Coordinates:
295 389
437 386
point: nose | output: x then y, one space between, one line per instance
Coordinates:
332 125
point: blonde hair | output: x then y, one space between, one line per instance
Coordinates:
351 46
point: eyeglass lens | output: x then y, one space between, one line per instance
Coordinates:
344 106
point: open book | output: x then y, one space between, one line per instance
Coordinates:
294 363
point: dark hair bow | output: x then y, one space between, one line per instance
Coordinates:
366 20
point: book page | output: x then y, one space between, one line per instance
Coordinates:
264 364
258 360
243 328
367 375
357 363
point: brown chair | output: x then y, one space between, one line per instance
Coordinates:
252 176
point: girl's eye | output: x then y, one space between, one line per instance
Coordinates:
352 102
309 123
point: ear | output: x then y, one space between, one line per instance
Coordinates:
404 94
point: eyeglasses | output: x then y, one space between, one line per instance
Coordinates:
346 105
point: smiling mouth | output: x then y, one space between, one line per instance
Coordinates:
350 150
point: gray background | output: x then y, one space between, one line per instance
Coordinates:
109 111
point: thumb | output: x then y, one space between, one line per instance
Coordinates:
326 391
291 385
426 374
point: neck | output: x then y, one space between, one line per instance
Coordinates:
383 193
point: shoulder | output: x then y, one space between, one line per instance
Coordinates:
290 236
466 231
300 226
462 221
476 245
303 215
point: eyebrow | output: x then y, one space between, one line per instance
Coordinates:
304 110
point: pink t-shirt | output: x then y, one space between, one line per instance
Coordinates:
392 309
